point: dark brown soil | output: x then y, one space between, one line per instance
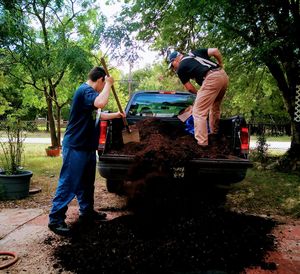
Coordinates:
164 146
177 227
190 233
161 141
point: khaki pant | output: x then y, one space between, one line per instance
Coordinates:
208 101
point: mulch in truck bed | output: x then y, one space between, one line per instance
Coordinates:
164 146
164 141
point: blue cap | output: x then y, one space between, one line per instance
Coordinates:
172 57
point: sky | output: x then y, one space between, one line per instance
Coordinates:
148 57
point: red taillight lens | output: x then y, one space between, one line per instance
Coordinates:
167 92
244 139
103 129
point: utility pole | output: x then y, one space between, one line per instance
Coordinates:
130 78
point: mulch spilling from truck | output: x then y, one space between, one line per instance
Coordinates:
163 146
177 228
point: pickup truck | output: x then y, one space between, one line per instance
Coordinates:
166 105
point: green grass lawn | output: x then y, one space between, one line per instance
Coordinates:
273 138
37 161
267 192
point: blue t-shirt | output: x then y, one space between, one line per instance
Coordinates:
82 133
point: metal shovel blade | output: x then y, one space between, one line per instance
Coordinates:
185 114
131 135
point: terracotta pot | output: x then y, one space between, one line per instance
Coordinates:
53 152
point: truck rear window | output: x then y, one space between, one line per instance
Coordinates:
160 104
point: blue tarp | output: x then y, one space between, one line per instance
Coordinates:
189 125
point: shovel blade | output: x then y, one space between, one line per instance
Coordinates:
132 136
186 114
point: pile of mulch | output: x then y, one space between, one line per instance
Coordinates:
163 146
175 226
191 235
162 140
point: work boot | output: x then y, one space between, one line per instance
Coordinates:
213 138
91 217
60 229
204 147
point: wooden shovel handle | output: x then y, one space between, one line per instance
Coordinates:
112 87
115 94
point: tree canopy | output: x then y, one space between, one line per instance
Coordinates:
49 46
250 33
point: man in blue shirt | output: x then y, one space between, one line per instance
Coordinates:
80 142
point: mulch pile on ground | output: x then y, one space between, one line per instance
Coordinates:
195 236
183 229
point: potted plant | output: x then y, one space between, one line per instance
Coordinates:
14 181
53 151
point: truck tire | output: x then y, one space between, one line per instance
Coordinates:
114 186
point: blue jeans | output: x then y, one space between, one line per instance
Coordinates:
77 178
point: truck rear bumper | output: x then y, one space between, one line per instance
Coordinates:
220 171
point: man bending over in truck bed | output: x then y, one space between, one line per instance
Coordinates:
213 81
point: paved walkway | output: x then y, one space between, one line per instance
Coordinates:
23 232
30 140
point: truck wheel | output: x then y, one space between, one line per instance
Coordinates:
114 186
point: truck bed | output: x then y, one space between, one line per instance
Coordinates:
165 144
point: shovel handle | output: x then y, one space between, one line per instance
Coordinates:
112 87
115 95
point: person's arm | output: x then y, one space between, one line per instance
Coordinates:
102 99
185 79
114 115
217 54
190 87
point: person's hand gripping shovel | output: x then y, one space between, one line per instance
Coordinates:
130 134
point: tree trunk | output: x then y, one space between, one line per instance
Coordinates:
54 140
291 159
294 153
291 96
47 123
296 125
58 113
295 143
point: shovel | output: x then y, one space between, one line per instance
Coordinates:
185 114
130 134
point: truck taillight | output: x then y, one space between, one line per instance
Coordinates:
244 140
167 92
103 130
